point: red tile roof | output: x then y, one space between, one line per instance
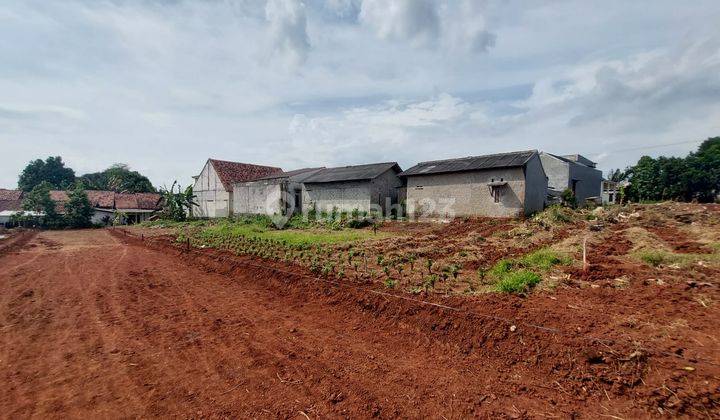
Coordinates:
10 200
101 199
112 200
232 172
148 201
10 194
10 205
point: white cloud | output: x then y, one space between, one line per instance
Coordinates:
456 26
162 84
416 21
288 29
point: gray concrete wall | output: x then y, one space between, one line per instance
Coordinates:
344 196
589 182
466 194
560 174
536 185
385 190
212 199
557 171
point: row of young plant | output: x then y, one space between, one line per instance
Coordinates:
359 262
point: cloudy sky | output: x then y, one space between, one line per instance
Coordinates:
162 85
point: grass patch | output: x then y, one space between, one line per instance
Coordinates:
521 274
543 259
517 281
656 258
292 237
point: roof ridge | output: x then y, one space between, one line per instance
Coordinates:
243 163
477 156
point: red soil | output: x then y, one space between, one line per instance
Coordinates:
678 241
96 325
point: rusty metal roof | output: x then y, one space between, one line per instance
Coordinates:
471 163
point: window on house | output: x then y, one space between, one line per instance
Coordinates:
496 193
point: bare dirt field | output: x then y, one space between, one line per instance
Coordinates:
100 323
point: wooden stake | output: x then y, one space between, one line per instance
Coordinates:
585 263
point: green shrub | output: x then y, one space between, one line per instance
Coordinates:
518 281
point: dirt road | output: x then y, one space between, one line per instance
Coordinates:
92 325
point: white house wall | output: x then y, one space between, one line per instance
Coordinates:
260 197
212 199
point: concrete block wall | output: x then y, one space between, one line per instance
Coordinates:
344 196
466 194
385 190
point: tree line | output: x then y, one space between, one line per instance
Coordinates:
695 177
118 177
42 176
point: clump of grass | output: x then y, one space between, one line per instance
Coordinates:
654 258
543 259
521 274
518 281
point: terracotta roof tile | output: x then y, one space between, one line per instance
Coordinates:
11 205
10 194
232 172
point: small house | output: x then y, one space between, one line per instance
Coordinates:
574 172
213 188
131 207
279 194
366 188
498 185
10 205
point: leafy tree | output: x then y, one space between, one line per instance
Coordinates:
78 209
52 170
177 205
617 175
695 177
38 200
118 178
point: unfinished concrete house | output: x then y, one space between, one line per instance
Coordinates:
574 172
214 186
362 187
499 185
279 194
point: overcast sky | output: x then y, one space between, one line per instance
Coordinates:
163 85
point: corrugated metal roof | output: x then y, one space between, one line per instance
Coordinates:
297 175
351 173
471 163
